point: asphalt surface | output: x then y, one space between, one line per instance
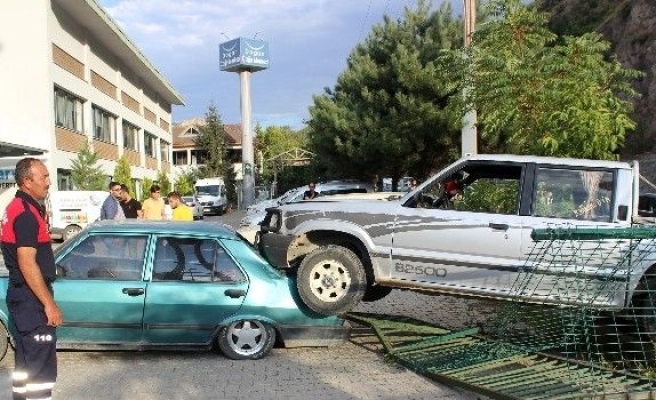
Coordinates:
354 370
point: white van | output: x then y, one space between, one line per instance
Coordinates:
211 195
71 211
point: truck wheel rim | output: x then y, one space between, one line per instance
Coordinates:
329 281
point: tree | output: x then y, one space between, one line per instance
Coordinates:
123 173
164 182
145 188
386 115
211 139
536 93
184 184
85 172
274 140
230 181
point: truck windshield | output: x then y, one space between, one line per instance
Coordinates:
209 190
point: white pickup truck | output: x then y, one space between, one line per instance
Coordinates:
466 231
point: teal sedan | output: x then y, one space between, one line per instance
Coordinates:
176 285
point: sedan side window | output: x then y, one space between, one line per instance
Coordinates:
105 257
193 260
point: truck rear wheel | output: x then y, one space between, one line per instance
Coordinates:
331 280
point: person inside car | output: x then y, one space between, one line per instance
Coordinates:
310 193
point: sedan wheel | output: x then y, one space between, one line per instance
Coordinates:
4 342
331 280
246 340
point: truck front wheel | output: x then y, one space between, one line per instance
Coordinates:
331 280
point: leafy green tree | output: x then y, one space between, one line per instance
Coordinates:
386 115
145 188
272 141
164 182
123 173
211 140
536 93
184 184
85 171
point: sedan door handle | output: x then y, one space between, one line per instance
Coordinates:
133 291
235 293
499 227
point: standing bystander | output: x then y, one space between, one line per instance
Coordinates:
181 212
131 207
111 208
153 207
28 255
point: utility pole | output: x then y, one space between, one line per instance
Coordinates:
468 141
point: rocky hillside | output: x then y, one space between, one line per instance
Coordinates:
630 25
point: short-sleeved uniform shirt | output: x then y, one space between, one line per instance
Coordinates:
131 208
23 225
183 213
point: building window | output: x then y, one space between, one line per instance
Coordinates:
68 110
104 126
164 150
191 132
180 157
130 136
198 157
150 144
64 179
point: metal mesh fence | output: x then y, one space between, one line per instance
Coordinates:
587 296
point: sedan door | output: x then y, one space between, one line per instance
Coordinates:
100 290
195 285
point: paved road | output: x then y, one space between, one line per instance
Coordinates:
354 370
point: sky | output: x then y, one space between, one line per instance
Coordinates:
309 43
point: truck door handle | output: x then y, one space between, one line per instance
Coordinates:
133 291
499 227
235 293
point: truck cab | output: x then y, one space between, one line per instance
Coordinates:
211 194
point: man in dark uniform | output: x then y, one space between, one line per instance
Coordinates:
28 255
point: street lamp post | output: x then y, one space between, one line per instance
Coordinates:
468 133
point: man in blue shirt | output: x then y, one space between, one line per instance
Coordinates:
111 208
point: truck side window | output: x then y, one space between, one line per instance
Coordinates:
573 194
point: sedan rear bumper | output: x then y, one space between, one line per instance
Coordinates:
315 336
273 246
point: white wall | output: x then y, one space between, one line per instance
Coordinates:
25 57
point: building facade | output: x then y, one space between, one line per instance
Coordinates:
188 155
70 77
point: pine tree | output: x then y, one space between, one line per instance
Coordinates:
85 172
230 181
211 140
123 174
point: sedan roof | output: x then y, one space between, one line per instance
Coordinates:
214 229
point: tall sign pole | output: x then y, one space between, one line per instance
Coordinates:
469 136
245 56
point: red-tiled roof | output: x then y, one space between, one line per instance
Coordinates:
183 138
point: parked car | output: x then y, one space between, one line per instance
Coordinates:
167 285
195 205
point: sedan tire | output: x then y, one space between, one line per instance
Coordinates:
4 342
246 340
331 280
